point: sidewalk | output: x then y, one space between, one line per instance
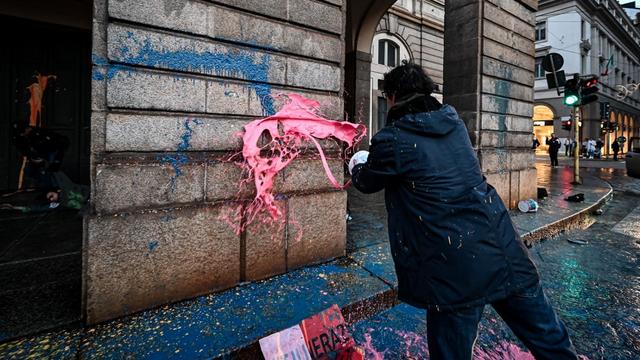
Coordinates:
230 323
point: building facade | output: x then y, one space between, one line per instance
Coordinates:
170 84
411 30
594 37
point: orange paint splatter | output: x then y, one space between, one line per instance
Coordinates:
35 100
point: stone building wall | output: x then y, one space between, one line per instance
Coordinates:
425 41
489 62
173 83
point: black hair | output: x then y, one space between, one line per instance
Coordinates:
407 79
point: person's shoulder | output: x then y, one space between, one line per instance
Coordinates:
385 135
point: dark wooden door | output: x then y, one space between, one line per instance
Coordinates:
29 48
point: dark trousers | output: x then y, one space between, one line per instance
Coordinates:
615 155
554 158
452 335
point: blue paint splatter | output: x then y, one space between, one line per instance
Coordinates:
240 64
186 135
152 245
100 74
179 159
503 90
167 218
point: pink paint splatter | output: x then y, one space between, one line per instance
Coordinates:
503 351
370 352
416 347
286 131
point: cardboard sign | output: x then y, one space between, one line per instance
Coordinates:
326 334
287 344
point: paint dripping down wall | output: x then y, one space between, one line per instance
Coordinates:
286 132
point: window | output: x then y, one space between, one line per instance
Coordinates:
582 30
388 53
407 4
541 31
539 70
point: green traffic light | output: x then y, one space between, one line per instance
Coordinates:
571 100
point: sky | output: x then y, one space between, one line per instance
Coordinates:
631 12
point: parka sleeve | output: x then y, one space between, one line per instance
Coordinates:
381 167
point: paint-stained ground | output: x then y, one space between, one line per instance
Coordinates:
594 287
40 268
214 325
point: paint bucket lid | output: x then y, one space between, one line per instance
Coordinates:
523 206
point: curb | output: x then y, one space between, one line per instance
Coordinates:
352 313
368 307
573 221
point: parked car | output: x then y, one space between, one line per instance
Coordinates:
633 157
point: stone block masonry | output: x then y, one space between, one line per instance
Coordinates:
496 52
173 83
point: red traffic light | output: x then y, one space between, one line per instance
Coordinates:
590 82
588 90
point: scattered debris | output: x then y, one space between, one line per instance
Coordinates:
575 198
579 242
527 206
542 193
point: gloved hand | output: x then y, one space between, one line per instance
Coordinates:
358 158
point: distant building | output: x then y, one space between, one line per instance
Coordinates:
594 37
411 30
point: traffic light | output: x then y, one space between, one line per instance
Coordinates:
566 124
572 92
605 111
588 90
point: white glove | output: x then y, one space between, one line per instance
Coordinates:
358 158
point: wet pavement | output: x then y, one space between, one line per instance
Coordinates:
40 268
363 284
594 287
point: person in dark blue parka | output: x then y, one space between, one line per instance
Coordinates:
454 246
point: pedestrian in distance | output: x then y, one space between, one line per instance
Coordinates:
616 148
567 147
574 144
554 147
535 143
599 146
591 148
452 240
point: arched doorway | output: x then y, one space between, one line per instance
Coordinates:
486 79
388 51
543 116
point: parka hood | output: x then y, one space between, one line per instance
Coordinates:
423 114
433 123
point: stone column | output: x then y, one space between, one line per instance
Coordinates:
173 83
358 102
488 76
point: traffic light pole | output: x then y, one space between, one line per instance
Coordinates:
576 151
